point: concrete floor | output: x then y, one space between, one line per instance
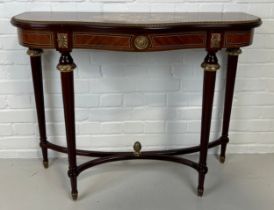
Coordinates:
244 182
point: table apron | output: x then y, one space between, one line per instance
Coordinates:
42 39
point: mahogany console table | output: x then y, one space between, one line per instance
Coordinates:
134 32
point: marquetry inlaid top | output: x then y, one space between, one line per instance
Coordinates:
137 19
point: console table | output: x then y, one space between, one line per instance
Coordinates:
134 32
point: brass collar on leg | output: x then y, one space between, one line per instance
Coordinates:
34 53
210 66
66 67
234 51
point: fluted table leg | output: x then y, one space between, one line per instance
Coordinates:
210 66
232 62
66 67
37 78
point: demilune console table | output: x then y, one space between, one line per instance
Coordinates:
134 32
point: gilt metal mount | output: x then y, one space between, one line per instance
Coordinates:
137 148
141 42
66 67
234 52
215 41
62 40
34 52
210 67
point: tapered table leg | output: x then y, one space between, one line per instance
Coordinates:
36 67
232 62
66 67
210 66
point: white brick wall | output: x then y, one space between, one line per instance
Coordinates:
124 97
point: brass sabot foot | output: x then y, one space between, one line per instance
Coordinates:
222 159
200 192
74 196
46 164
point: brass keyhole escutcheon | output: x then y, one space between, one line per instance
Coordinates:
141 42
137 148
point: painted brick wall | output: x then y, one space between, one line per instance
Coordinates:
124 97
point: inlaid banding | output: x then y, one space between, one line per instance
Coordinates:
36 39
100 41
238 39
187 40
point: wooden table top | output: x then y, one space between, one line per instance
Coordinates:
144 20
135 31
